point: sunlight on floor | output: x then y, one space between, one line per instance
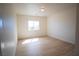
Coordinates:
30 40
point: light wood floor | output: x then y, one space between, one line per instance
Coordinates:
43 46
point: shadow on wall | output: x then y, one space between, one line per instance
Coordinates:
0 33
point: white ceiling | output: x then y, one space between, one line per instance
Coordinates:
34 8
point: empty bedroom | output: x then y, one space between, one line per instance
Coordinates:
39 29
45 29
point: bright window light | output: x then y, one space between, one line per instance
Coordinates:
26 41
30 40
33 25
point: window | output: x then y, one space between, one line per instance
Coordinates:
33 25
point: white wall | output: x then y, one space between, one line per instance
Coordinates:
22 26
8 43
62 24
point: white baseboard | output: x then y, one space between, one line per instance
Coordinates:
62 39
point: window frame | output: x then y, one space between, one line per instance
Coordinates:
33 25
